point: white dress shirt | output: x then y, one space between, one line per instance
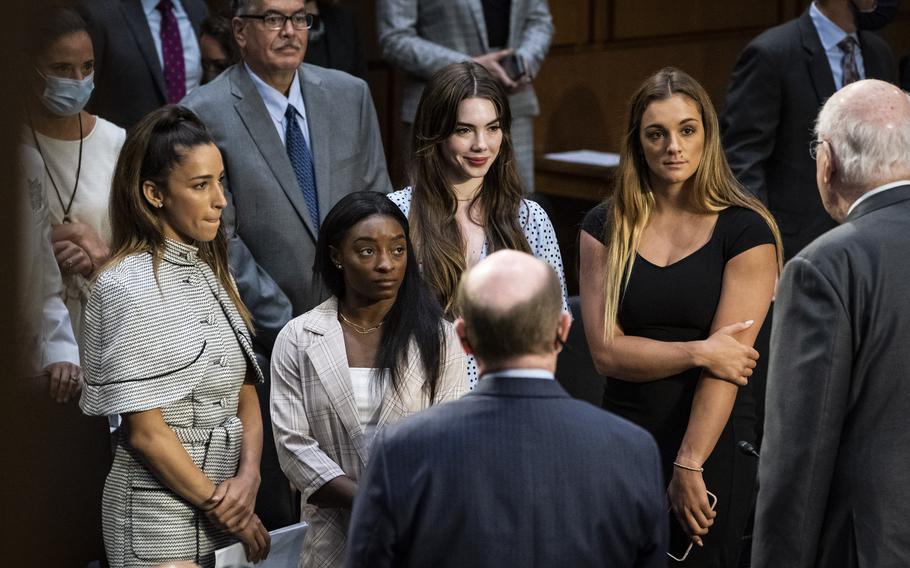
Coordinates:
877 190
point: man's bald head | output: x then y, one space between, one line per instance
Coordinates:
510 303
867 128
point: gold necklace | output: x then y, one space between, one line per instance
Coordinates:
358 328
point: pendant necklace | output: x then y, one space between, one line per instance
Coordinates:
66 208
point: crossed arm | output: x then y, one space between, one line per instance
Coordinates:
727 359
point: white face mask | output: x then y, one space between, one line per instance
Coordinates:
66 97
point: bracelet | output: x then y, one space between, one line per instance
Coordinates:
690 468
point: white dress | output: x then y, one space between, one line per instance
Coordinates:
100 150
541 238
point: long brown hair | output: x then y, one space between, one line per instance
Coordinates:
629 208
152 149
437 237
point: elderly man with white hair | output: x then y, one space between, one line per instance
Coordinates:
836 453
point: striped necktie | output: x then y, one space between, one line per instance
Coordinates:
851 71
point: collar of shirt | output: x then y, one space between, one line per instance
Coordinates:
520 373
878 189
830 35
276 103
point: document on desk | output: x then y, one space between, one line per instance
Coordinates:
587 157
287 543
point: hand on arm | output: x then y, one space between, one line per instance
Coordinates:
87 240
72 259
64 380
639 359
748 287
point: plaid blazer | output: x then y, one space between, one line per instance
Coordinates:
423 36
317 431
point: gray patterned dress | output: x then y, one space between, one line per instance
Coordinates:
181 346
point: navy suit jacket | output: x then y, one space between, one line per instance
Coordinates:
515 473
779 84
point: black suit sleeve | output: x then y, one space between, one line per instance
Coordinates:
372 534
808 388
751 115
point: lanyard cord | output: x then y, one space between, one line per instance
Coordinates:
66 208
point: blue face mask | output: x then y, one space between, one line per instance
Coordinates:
66 97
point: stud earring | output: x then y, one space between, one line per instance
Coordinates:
338 266
160 205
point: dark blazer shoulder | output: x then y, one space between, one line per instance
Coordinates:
781 39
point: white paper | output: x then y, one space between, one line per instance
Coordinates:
285 552
588 157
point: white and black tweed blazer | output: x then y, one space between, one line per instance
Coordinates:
143 342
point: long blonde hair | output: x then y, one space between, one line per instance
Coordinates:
629 207
152 149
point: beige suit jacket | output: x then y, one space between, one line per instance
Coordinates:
317 431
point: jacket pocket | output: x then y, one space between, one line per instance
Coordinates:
163 526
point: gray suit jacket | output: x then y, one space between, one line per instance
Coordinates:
129 82
271 215
836 451
423 36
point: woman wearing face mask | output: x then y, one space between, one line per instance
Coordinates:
375 352
677 273
465 199
167 345
75 151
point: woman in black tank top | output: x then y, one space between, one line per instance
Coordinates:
677 274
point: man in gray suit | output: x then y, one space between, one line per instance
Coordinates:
423 36
247 108
836 452
515 473
295 138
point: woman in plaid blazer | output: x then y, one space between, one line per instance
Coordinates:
167 345
376 351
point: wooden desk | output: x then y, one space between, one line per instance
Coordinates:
556 178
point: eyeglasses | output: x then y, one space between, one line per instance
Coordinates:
813 147
276 21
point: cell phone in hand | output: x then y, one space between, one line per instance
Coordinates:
513 65
680 542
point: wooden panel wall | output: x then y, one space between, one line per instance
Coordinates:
601 51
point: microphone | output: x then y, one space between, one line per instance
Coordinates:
747 448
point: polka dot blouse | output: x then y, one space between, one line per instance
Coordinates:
541 237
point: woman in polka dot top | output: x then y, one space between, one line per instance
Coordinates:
465 198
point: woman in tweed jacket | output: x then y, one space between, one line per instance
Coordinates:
376 351
167 345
